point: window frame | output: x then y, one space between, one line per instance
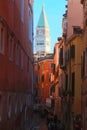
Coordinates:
22 59
17 54
11 48
2 39
0 107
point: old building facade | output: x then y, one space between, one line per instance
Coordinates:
84 67
58 75
16 52
74 9
74 47
69 68
43 69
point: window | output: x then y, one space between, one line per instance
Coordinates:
22 59
67 56
28 65
36 79
66 82
0 107
9 106
77 30
86 102
40 43
17 54
20 103
2 40
72 51
11 48
22 11
16 103
61 56
30 24
83 65
52 90
52 65
38 67
73 83
86 61
42 78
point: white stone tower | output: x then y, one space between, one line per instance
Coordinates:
42 39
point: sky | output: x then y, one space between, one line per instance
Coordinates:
54 12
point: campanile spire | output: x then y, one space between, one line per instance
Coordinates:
42 42
42 5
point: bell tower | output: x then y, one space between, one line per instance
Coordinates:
42 39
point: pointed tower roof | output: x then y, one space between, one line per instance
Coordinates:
42 19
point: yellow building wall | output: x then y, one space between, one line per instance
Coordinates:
76 68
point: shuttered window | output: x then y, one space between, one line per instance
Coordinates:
83 64
66 82
2 38
61 56
11 45
36 79
42 78
52 89
73 83
72 51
